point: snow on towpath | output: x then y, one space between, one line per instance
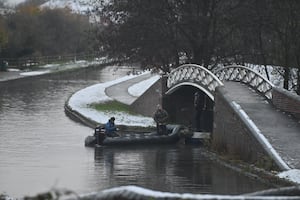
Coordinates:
81 100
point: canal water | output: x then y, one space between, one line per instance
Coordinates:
41 148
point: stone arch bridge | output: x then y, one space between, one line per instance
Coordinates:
247 115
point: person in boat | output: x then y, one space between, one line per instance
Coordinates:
160 117
110 128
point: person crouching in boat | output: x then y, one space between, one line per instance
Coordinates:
110 128
160 117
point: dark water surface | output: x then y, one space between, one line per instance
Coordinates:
41 148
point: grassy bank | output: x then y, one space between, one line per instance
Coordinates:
113 106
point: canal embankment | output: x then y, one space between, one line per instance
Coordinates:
14 76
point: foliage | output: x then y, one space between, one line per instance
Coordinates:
31 31
3 197
266 163
165 33
3 34
158 32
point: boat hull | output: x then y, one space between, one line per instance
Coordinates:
139 138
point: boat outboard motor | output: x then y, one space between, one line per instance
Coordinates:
99 135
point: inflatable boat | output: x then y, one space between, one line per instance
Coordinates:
99 139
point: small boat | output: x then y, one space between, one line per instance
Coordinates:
99 138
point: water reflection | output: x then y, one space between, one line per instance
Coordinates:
41 148
168 168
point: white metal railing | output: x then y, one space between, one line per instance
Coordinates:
196 75
247 76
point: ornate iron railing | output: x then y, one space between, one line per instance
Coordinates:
247 76
192 74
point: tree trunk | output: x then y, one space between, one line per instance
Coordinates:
298 82
197 55
286 77
287 70
263 52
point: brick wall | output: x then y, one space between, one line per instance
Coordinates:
286 101
231 136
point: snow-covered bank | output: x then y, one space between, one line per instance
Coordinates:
34 73
49 68
81 100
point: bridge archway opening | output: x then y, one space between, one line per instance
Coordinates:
180 105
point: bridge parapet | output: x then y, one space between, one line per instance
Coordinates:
286 101
248 76
196 75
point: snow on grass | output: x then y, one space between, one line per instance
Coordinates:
81 101
48 68
34 73
13 70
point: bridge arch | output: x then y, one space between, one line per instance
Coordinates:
182 84
247 76
193 75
